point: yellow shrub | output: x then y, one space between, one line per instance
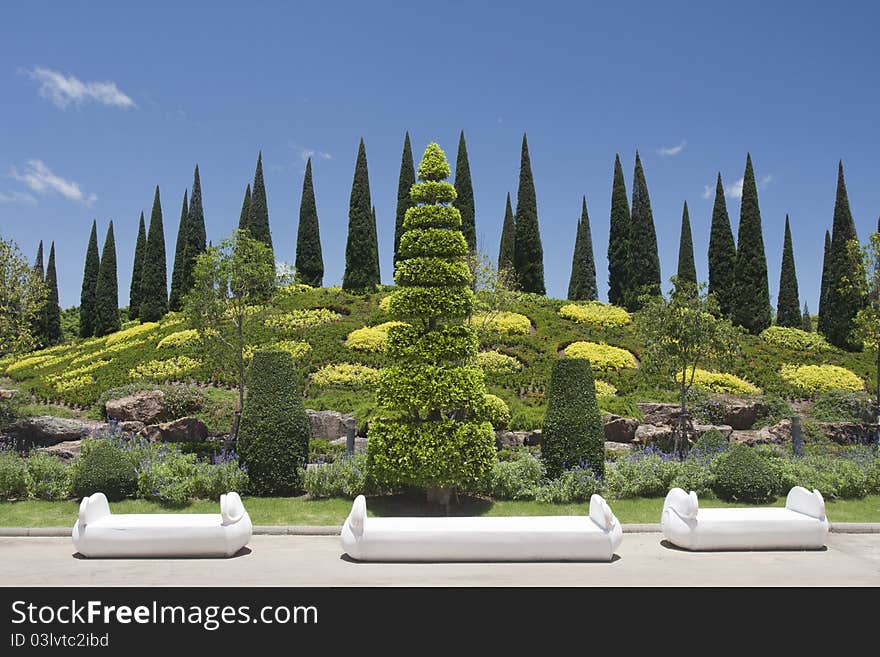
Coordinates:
502 322
292 289
370 338
131 333
604 389
296 320
383 303
73 384
162 370
27 363
597 314
602 357
723 383
809 379
88 356
85 369
493 362
296 348
795 339
178 339
346 375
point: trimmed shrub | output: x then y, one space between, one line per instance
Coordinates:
645 473
710 445
370 338
104 467
297 320
344 477
722 383
694 475
178 339
169 479
573 432
218 478
741 475
604 389
517 478
794 339
494 362
273 438
505 323
577 484
811 379
495 411
13 476
48 477
165 370
135 334
346 375
602 357
594 313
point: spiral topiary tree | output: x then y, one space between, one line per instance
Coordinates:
434 435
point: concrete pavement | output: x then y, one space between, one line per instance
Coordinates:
849 560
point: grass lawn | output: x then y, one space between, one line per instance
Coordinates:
303 511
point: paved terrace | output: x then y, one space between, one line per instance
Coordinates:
642 560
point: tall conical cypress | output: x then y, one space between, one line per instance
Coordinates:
582 285
51 313
309 259
806 320
38 262
107 289
643 266
823 290
38 327
788 304
134 292
90 280
618 238
843 299
528 252
687 270
196 235
751 308
361 265
154 279
177 273
376 244
405 181
245 209
722 253
258 213
465 200
507 248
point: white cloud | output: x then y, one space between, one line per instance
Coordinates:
42 180
735 190
672 150
16 197
766 180
707 192
64 91
306 153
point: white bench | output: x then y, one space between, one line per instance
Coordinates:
99 533
801 525
523 538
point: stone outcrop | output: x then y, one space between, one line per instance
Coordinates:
619 429
131 426
618 447
651 433
182 430
46 430
737 412
659 413
329 425
504 438
360 444
724 429
147 406
66 451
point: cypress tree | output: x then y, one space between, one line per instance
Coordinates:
177 273
465 200
582 286
788 305
51 315
507 249
376 244
405 181
643 265
245 209
823 290
722 253
107 290
528 252
154 279
806 320
751 308
134 294
258 213
196 235
38 262
618 238
309 260
90 280
687 270
38 323
843 301
361 266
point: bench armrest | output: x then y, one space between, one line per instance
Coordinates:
684 504
803 501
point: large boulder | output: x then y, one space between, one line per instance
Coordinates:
739 413
619 429
329 425
46 430
652 433
6 394
763 436
847 433
182 430
618 447
504 438
659 413
66 451
131 426
147 406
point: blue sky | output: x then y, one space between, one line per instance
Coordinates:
102 102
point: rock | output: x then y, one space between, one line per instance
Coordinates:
737 412
132 426
782 430
533 439
46 430
724 429
504 438
619 429
147 406
360 444
66 451
7 394
761 436
659 413
182 430
650 433
847 433
329 425
611 446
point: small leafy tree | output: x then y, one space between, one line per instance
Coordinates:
22 296
867 321
496 292
682 334
224 305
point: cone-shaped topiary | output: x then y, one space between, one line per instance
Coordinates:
244 217
38 323
90 280
643 265
751 308
361 263
51 314
573 433
273 437
309 260
465 190
405 182
154 279
618 238
788 305
687 270
134 290
107 289
434 436
38 262
175 298
507 248
196 237
258 210
528 252
806 320
376 244
722 253
823 290
582 284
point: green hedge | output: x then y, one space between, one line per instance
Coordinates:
432 242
